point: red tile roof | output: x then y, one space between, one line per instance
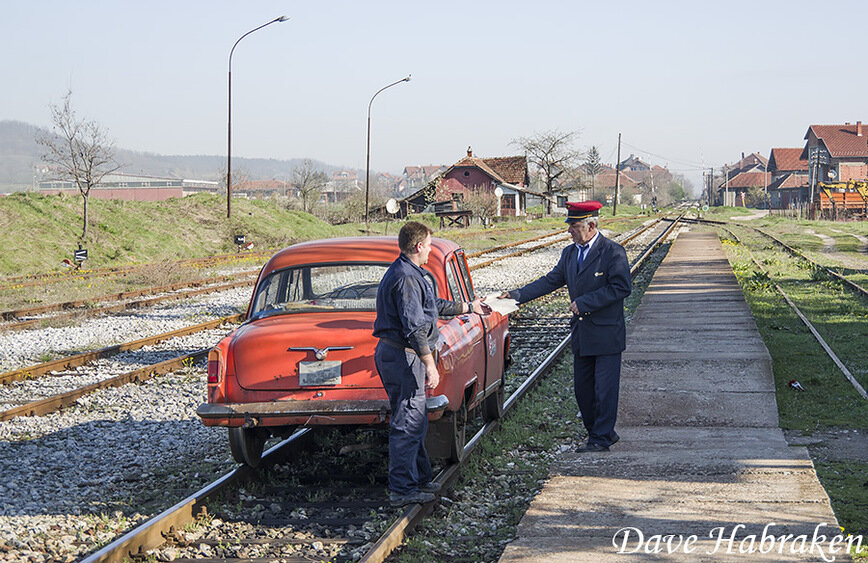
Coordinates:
504 169
842 140
783 160
513 169
747 180
790 181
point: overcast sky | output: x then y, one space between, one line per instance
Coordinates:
694 84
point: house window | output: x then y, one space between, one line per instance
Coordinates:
562 201
467 173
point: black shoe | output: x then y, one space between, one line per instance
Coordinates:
430 487
592 447
419 497
615 439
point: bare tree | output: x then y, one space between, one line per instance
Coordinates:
78 151
481 202
240 177
552 153
309 182
593 166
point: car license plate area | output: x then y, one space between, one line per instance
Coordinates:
314 374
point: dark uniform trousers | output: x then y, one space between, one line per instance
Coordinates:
403 377
596 381
598 287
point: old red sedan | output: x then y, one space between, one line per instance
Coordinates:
305 354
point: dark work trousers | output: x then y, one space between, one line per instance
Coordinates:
403 377
596 380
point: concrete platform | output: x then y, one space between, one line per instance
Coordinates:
701 453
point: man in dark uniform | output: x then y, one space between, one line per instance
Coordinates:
406 325
597 274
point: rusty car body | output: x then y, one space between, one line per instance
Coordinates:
305 354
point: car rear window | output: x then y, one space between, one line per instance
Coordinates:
319 288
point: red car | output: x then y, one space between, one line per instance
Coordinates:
305 354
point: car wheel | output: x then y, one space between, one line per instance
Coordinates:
446 436
492 408
246 444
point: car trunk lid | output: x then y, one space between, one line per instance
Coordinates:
307 351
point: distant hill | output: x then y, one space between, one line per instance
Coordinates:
19 153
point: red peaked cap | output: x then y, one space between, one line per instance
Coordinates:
578 210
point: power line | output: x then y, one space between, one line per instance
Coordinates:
679 161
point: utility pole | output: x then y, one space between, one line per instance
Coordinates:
711 188
617 178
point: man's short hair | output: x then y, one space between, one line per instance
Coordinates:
588 220
411 234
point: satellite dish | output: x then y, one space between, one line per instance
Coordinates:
832 174
498 191
392 206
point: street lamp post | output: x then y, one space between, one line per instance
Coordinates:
229 126
368 152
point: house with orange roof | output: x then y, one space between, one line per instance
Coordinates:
472 173
789 185
836 153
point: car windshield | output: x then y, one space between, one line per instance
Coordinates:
328 287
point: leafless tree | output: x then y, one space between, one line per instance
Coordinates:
309 182
77 150
240 176
482 202
552 152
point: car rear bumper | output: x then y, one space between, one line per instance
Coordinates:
307 412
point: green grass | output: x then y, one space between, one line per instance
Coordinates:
829 401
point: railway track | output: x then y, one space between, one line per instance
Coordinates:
823 344
341 521
40 405
83 308
794 252
34 280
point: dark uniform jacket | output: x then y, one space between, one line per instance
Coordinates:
407 308
598 289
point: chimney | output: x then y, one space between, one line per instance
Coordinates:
469 151
858 128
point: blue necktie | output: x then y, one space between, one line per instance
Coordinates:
582 249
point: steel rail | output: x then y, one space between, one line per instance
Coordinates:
829 352
512 244
125 306
69 362
80 303
19 282
853 285
57 402
152 533
518 253
394 536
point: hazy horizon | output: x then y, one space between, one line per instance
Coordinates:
689 86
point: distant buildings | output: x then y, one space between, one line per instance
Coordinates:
132 187
472 175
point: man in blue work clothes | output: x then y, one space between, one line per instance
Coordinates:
406 325
597 274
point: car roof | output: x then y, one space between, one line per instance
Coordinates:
350 249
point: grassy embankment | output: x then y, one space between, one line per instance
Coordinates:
830 408
45 230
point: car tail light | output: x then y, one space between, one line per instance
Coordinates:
215 366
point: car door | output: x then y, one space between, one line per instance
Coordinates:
492 339
464 336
